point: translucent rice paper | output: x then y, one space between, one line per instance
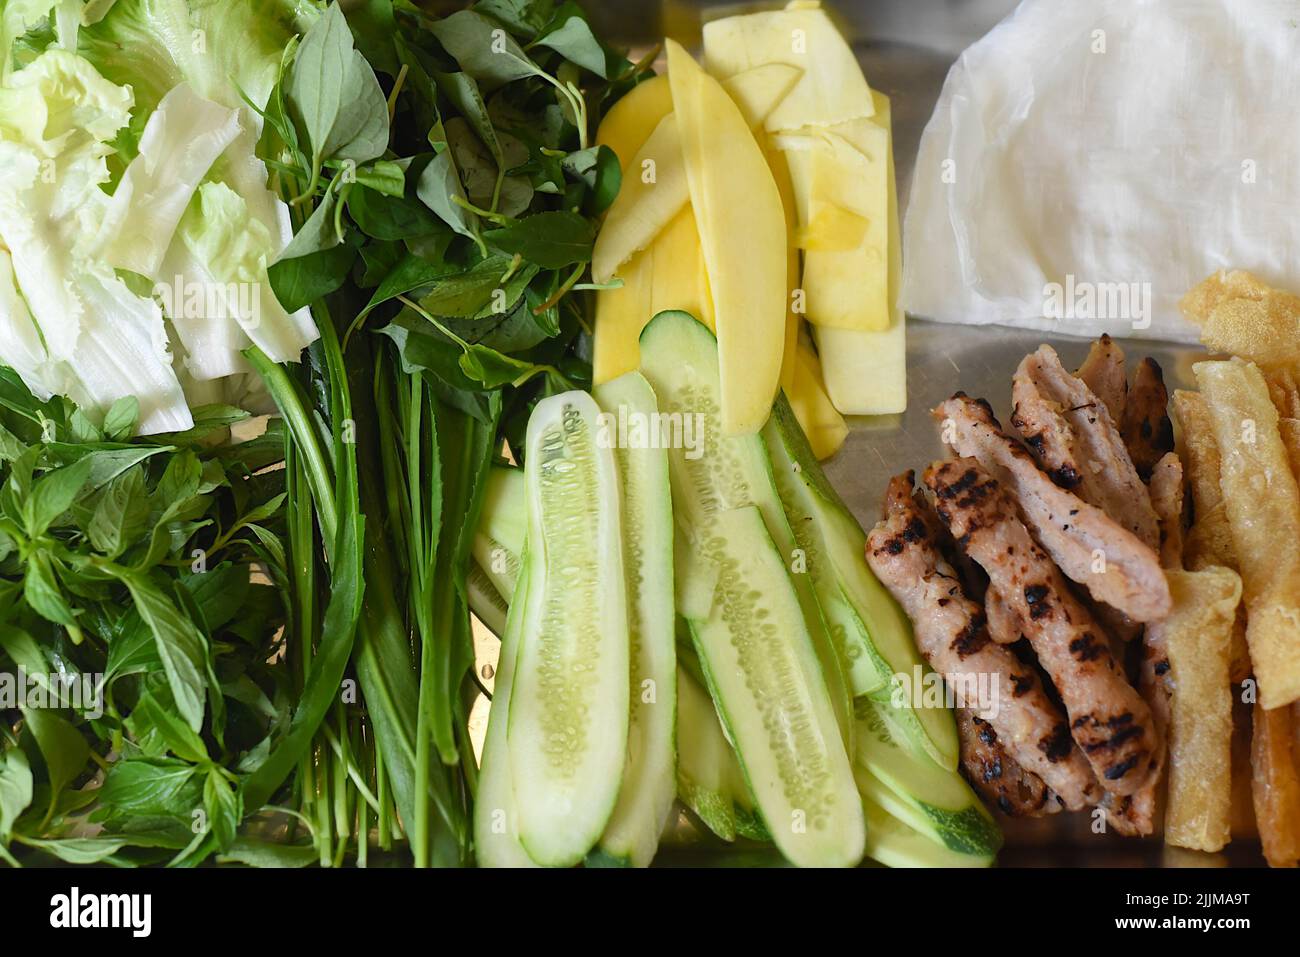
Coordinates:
1088 163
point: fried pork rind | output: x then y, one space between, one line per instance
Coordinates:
1276 786
1209 540
1263 506
1197 637
1240 314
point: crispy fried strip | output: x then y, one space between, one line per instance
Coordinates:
1088 546
1108 719
1276 787
1209 541
1197 637
952 634
1263 507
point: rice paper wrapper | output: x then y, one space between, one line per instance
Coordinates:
1088 163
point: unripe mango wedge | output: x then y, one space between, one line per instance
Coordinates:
654 186
742 230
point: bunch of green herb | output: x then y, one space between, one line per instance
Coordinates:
293 644
446 194
151 572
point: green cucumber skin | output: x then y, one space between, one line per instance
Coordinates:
893 843
568 718
820 754
867 671
709 778
930 730
649 780
495 801
929 798
504 518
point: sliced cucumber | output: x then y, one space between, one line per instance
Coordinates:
931 799
499 538
567 736
646 799
765 680
728 472
484 600
757 646
894 844
868 671
709 779
496 811
834 540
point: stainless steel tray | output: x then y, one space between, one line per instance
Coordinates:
906 48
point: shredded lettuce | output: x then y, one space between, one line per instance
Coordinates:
136 221
181 141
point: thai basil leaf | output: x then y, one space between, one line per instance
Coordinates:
439 186
383 176
53 495
484 50
15 788
180 646
597 167
300 282
552 240
569 34
121 419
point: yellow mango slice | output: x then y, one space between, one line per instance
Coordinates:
776 162
654 190
742 233
654 182
632 119
832 229
844 221
621 314
759 91
831 88
817 415
679 275
866 372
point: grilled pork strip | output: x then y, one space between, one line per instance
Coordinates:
1004 626
997 775
1146 427
1074 438
1108 719
1103 372
952 633
1089 546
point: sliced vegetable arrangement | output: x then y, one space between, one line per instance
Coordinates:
780 141
326 325
764 750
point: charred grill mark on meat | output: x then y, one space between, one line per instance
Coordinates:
952 633
1147 429
1072 531
1108 720
996 775
1082 448
1103 372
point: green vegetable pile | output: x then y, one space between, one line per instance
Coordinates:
279 625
